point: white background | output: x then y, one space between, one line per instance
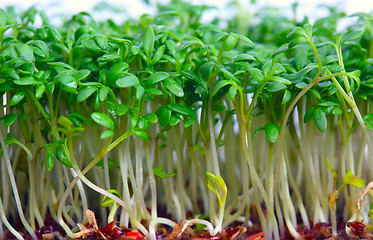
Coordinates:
135 8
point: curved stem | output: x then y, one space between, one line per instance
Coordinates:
14 188
7 224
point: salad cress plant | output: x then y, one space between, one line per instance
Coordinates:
170 126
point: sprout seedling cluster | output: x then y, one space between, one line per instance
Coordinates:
168 122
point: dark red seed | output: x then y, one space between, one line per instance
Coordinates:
104 231
231 231
111 225
318 226
117 232
356 227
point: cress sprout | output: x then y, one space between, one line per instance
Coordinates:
166 115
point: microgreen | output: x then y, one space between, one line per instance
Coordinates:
348 179
170 111
106 202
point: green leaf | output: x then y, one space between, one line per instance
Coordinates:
370 212
9 119
128 81
173 87
11 72
368 119
351 179
148 41
320 120
185 110
85 92
101 41
140 91
298 31
40 48
153 91
164 115
39 90
107 134
151 117
189 122
174 120
308 29
222 84
80 117
275 87
197 78
355 75
257 131
115 72
272 130
280 80
327 104
81 74
232 91
286 97
122 109
186 44
256 74
244 58
296 41
157 77
25 51
89 42
159 172
277 68
135 50
133 119
351 36
334 173
283 48
229 75
301 85
306 69
158 54
61 65
103 119
26 81
53 33
337 111
143 124
219 36
206 70
17 97
309 114
230 42
62 156
329 59
66 79
64 121
107 201
49 159
217 185
103 92
245 39
142 134
3 18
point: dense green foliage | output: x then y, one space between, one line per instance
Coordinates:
167 112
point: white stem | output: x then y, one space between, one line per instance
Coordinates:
7 224
154 222
14 187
